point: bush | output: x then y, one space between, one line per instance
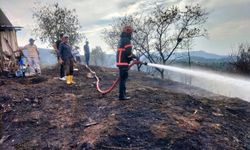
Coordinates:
241 61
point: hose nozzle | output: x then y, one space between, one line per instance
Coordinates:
143 63
137 62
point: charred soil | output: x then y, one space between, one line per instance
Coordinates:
44 113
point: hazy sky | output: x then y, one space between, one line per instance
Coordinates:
228 23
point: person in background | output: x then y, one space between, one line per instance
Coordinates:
86 52
77 57
56 48
33 57
76 54
21 64
66 59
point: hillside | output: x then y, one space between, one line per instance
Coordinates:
44 113
202 59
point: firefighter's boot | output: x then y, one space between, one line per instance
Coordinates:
68 80
71 79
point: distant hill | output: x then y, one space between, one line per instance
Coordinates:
199 55
204 59
207 55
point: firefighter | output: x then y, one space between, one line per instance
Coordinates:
124 56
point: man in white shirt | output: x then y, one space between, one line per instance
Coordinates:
33 57
76 54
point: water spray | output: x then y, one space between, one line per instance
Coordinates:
241 87
203 74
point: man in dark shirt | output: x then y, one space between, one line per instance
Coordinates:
56 47
86 52
66 58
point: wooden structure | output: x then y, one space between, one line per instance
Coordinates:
8 44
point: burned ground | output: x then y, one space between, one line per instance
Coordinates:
44 113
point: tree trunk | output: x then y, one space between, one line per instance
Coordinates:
189 59
162 74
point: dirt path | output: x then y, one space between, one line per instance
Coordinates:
43 113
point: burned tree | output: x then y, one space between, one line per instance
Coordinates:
162 31
52 20
241 60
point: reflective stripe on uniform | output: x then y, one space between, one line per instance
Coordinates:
121 64
120 50
127 46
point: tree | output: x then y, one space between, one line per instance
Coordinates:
188 44
52 20
161 31
241 61
97 56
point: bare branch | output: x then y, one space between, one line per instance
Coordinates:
162 31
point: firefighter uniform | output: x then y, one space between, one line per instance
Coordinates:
124 56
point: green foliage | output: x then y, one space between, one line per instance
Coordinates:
52 20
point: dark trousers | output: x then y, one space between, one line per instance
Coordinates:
69 67
123 74
62 72
78 59
87 59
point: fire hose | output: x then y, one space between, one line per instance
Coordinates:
115 82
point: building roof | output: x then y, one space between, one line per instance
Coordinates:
3 19
5 22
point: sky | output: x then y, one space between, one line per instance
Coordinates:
228 20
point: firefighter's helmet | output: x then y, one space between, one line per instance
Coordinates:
128 29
